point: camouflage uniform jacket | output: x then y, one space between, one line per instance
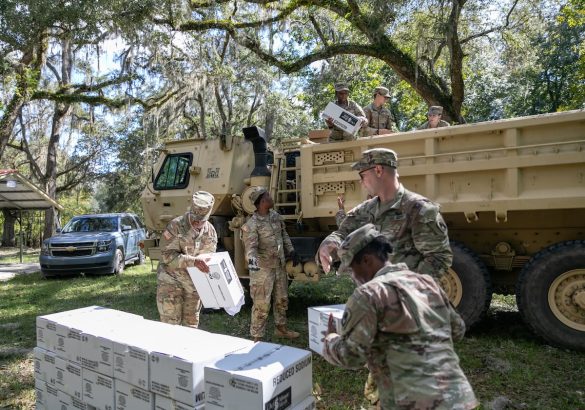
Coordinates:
179 241
442 123
340 135
379 118
265 239
402 325
413 225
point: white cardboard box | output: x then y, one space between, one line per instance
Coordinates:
318 318
164 403
176 370
98 390
307 404
44 365
41 394
129 397
264 376
342 119
68 378
221 287
66 402
131 352
52 398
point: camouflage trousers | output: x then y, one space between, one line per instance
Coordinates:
267 284
177 299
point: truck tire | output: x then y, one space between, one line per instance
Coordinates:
468 284
551 294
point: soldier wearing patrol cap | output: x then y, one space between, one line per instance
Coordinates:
342 100
411 223
268 247
380 119
184 238
434 118
401 324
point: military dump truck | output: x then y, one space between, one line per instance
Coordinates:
511 191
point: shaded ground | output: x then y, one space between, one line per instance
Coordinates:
10 265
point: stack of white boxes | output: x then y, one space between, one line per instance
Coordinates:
104 359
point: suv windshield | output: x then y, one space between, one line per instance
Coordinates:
91 224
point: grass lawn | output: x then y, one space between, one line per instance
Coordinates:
502 359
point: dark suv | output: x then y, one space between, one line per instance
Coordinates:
100 243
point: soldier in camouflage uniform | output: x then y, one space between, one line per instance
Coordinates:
184 238
402 325
412 223
380 119
342 100
434 118
268 246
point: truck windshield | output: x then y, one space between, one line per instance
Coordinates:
108 224
174 173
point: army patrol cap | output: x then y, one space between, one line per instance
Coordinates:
201 205
254 196
354 243
383 91
341 87
435 110
376 156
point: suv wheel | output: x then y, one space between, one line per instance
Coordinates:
118 262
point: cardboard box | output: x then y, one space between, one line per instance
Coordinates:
129 397
44 365
176 370
46 325
52 398
265 376
68 378
221 287
318 319
319 135
66 402
307 404
132 348
164 403
40 394
98 390
342 119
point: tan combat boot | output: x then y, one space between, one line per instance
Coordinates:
282 331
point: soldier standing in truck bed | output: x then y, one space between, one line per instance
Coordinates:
434 118
380 119
342 100
184 238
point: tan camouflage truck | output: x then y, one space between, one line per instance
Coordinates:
512 193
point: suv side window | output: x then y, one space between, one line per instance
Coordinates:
174 173
128 220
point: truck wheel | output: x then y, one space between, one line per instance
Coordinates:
468 284
118 262
551 294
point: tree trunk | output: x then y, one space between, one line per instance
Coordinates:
61 112
8 237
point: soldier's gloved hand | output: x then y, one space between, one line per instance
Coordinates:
201 264
253 265
296 259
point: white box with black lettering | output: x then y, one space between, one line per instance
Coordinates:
318 319
266 376
342 119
